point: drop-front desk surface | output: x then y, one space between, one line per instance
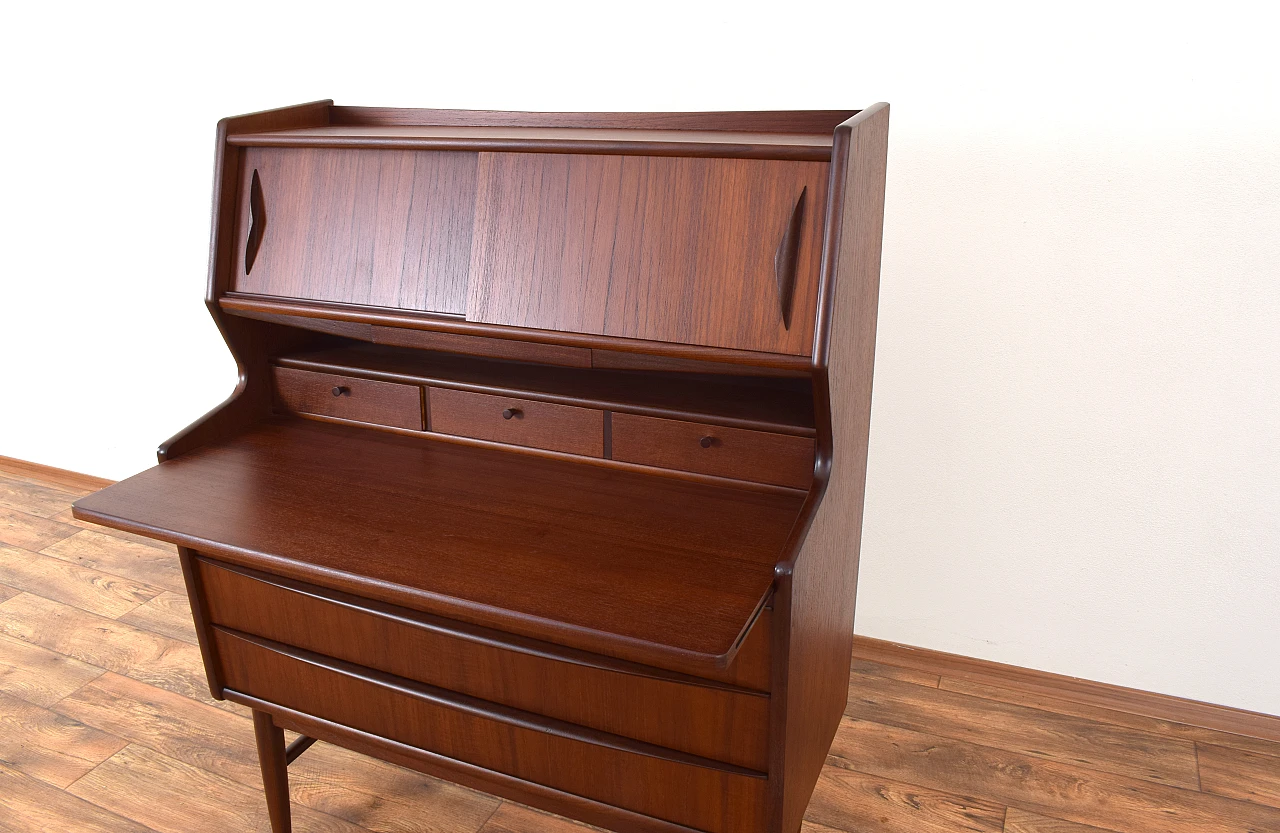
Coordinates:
645 567
544 470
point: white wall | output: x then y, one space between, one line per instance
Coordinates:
1075 456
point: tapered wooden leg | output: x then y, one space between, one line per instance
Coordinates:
275 770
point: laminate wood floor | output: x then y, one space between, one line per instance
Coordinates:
106 724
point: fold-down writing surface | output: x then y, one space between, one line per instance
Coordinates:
646 568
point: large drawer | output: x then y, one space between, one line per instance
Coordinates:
760 456
347 397
677 788
701 717
516 421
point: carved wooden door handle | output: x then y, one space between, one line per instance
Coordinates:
257 222
784 261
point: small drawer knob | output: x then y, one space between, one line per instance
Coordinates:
510 413
341 390
707 442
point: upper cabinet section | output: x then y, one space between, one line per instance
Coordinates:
715 252
381 228
704 230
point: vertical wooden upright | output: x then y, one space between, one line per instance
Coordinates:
817 588
275 770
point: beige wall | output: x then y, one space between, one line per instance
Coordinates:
1075 456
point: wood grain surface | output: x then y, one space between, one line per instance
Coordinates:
1071 740
349 397
1192 719
382 228
780 405
1063 791
872 785
497 348
542 139
516 421
684 792
672 250
817 585
1236 773
1023 821
688 714
714 449
646 568
817 123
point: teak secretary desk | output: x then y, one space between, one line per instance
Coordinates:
544 472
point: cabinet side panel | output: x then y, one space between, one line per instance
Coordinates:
825 573
383 228
669 249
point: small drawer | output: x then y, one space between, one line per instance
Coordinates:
505 419
346 397
759 456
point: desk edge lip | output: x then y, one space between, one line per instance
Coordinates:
573 636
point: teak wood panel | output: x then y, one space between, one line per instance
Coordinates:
516 421
710 721
383 228
349 397
646 568
496 348
760 456
664 249
687 792
817 588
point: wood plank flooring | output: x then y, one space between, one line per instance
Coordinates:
106 724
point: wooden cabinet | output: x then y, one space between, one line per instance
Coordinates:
544 472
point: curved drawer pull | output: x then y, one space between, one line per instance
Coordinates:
512 412
707 442
784 261
257 222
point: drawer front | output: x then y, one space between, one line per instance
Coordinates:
346 397
780 459
718 722
676 789
514 421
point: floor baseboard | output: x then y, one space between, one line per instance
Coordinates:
53 476
1074 689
